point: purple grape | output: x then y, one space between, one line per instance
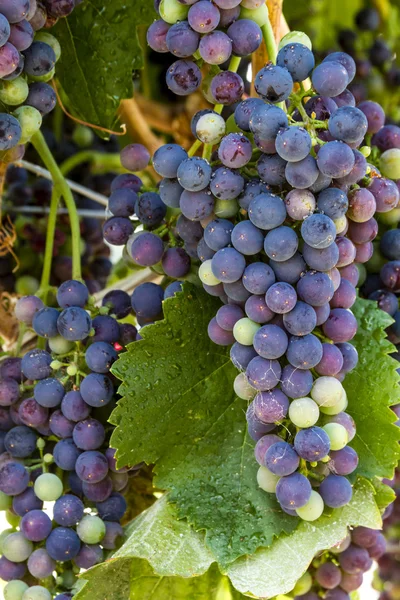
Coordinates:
196 206
11 368
328 575
183 78
9 391
257 310
341 325
88 556
219 336
157 36
297 59
127 180
296 383
226 184
331 362
281 244
256 428
36 525
293 491
45 322
281 298
258 278
227 88
273 83
112 509
116 231
281 459
385 192
343 462
63 544
246 37
98 492
11 570
304 352
32 414
228 265
242 355
40 59
301 320
73 406
106 329
74 324
270 341
312 443
40 564
354 559
375 115
330 78
215 48
336 491
228 315
379 548
351 583
387 137
60 426
290 270
263 444
113 537
147 300
271 406
335 159
14 479
263 374
347 251
315 288
99 358
27 307
235 150
150 209
20 441
21 35
88 434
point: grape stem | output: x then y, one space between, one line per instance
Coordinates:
48 252
101 161
61 185
269 39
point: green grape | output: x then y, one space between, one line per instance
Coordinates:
48 487
5 501
340 224
326 391
14 590
362 274
389 163
91 530
14 92
303 585
211 128
258 15
392 217
313 509
69 579
172 11
37 592
47 38
26 285
30 120
43 78
337 434
206 275
16 547
244 331
377 260
83 136
266 480
242 387
12 518
59 345
3 536
295 37
339 407
303 412
226 209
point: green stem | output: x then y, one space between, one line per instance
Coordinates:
269 39
101 160
48 253
195 146
62 187
207 151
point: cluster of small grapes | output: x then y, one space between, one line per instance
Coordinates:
202 33
377 70
27 61
337 573
277 219
54 445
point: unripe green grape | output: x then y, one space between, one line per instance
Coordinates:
337 434
91 530
50 40
226 209
14 590
48 487
5 501
12 518
303 412
392 217
377 260
43 78
69 579
313 509
206 275
362 274
59 345
266 480
3 536
172 11
303 585
14 92
26 285
30 120
389 163
83 136
244 331
37 592
295 37
211 128
258 15
72 370
242 387
326 391
16 547
339 407
340 224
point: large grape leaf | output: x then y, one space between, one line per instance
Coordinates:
100 48
179 411
163 555
136 580
275 570
371 388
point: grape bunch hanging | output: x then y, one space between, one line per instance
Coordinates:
278 210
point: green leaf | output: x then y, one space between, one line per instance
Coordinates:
180 412
100 48
371 388
135 580
275 570
384 495
170 546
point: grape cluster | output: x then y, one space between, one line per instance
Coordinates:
54 405
27 62
335 574
207 34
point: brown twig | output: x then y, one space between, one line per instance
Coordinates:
110 131
137 125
